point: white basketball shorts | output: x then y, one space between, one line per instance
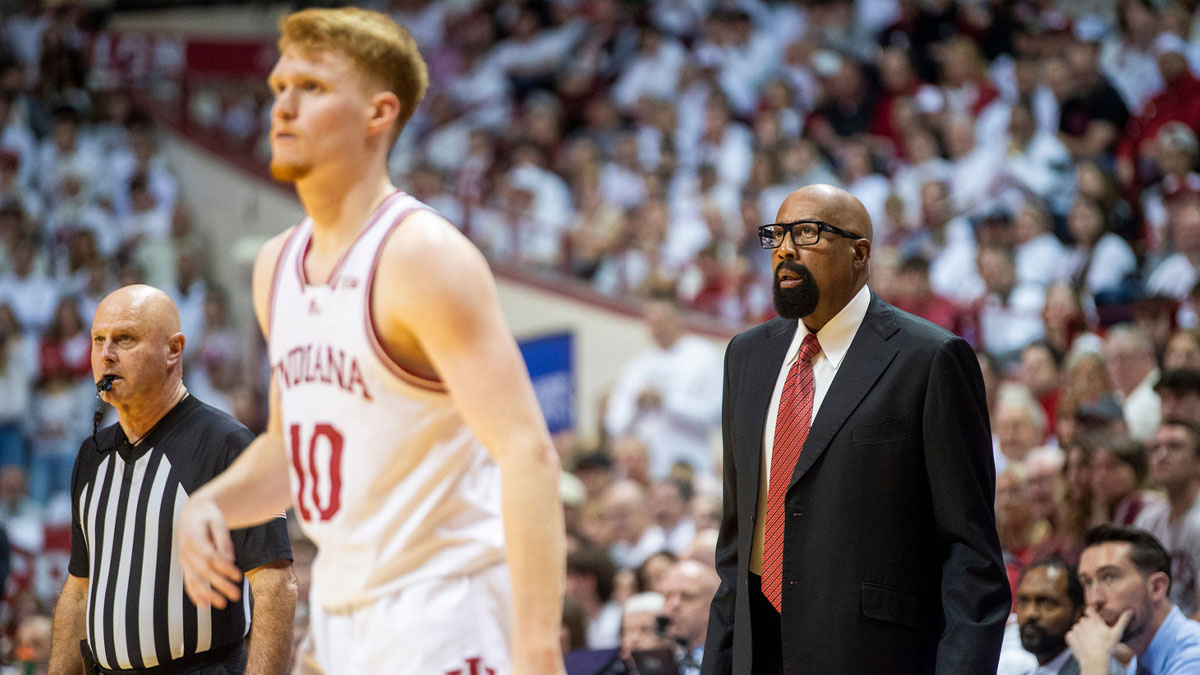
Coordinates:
449 626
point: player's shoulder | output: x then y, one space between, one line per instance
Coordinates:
424 243
269 254
424 231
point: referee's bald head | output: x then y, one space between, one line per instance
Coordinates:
147 305
138 346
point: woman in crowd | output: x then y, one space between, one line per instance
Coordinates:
1119 471
66 346
1099 261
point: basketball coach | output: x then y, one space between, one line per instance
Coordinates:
858 533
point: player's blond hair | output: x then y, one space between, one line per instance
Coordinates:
379 47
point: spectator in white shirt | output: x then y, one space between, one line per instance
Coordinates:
670 395
1099 261
19 139
1133 371
1020 425
749 57
667 504
63 152
31 295
634 536
1039 253
861 180
974 167
1037 161
724 143
1025 86
1011 314
1175 275
1128 58
654 71
621 182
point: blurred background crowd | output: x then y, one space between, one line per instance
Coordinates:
1030 167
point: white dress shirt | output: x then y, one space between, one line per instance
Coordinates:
835 338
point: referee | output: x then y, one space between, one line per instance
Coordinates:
123 608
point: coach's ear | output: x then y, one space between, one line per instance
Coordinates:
175 345
385 109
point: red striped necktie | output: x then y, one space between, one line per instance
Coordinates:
791 430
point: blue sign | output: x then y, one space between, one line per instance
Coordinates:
551 367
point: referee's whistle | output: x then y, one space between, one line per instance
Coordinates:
105 383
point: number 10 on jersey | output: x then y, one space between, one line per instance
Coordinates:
321 458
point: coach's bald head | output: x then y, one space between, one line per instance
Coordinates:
815 282
136 340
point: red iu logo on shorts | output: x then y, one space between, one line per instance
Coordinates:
474 667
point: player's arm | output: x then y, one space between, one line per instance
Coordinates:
446 297
69 626
274 589
252 490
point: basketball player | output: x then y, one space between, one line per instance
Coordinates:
403 426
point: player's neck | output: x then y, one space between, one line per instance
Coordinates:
340 207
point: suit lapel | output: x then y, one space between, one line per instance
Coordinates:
761 372
869 355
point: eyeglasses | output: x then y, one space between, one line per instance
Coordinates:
804 233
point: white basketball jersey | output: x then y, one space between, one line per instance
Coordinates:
386 477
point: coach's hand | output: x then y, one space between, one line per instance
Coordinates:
206 554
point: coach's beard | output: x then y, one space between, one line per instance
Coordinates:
800 300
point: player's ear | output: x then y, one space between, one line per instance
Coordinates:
385 108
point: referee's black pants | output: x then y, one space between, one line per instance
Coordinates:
228 660
765 631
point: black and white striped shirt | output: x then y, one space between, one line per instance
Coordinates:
125 500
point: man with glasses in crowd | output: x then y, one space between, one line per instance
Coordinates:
858 475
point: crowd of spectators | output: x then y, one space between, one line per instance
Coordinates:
1030 168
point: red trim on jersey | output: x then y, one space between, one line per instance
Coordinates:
372 330
337 267
283 253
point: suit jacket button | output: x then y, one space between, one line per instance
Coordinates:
797 513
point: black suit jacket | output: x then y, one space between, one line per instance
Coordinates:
891 561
